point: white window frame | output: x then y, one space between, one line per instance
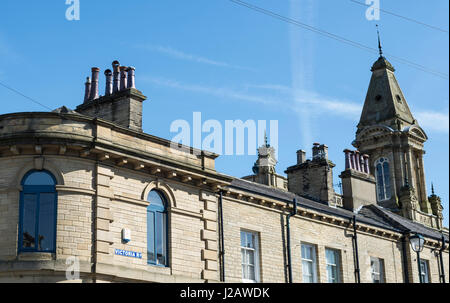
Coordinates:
381 268
426 273
256 256
337 265
313 261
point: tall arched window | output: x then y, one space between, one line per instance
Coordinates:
157 229
383 179
37 221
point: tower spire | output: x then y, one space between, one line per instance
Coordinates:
379 43
432 189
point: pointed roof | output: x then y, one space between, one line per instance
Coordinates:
385 103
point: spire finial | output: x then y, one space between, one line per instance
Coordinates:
432 189
379 43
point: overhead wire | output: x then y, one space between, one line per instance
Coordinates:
403 17
337 37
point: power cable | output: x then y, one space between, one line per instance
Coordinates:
337 37
25 96
403 17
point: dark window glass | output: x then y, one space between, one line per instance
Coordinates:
37 227
160 238
157 229
150 237
383 179
380 182
47 210
387 181
29 221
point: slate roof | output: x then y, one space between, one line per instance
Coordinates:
408 225
372 214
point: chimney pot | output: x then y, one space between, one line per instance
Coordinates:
347 158
357 161
116 76
109 84
352 160
94 86
87 89
131 77
123 77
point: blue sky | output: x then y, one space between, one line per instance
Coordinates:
229 62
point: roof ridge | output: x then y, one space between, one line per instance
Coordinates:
396 220
380 211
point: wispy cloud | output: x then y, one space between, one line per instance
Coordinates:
282 97
213 91
302 55
316 102
177 54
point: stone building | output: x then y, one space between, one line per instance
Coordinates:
87 196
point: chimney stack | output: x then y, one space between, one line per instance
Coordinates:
358 185
87 89
94 86
313 179
123 77
122 102
116 75
301 157
109 83
131 71
320 151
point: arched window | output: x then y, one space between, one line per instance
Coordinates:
157 229
37 221
383 179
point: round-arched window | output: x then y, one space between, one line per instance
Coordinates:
157 228
383 179
37 219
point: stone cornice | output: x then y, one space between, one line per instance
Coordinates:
101 122
64 188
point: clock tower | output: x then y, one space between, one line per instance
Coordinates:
391 136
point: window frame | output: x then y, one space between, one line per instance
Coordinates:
37 190
385 186
381 269
313 261
426 274
165 213
337 265
256 248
